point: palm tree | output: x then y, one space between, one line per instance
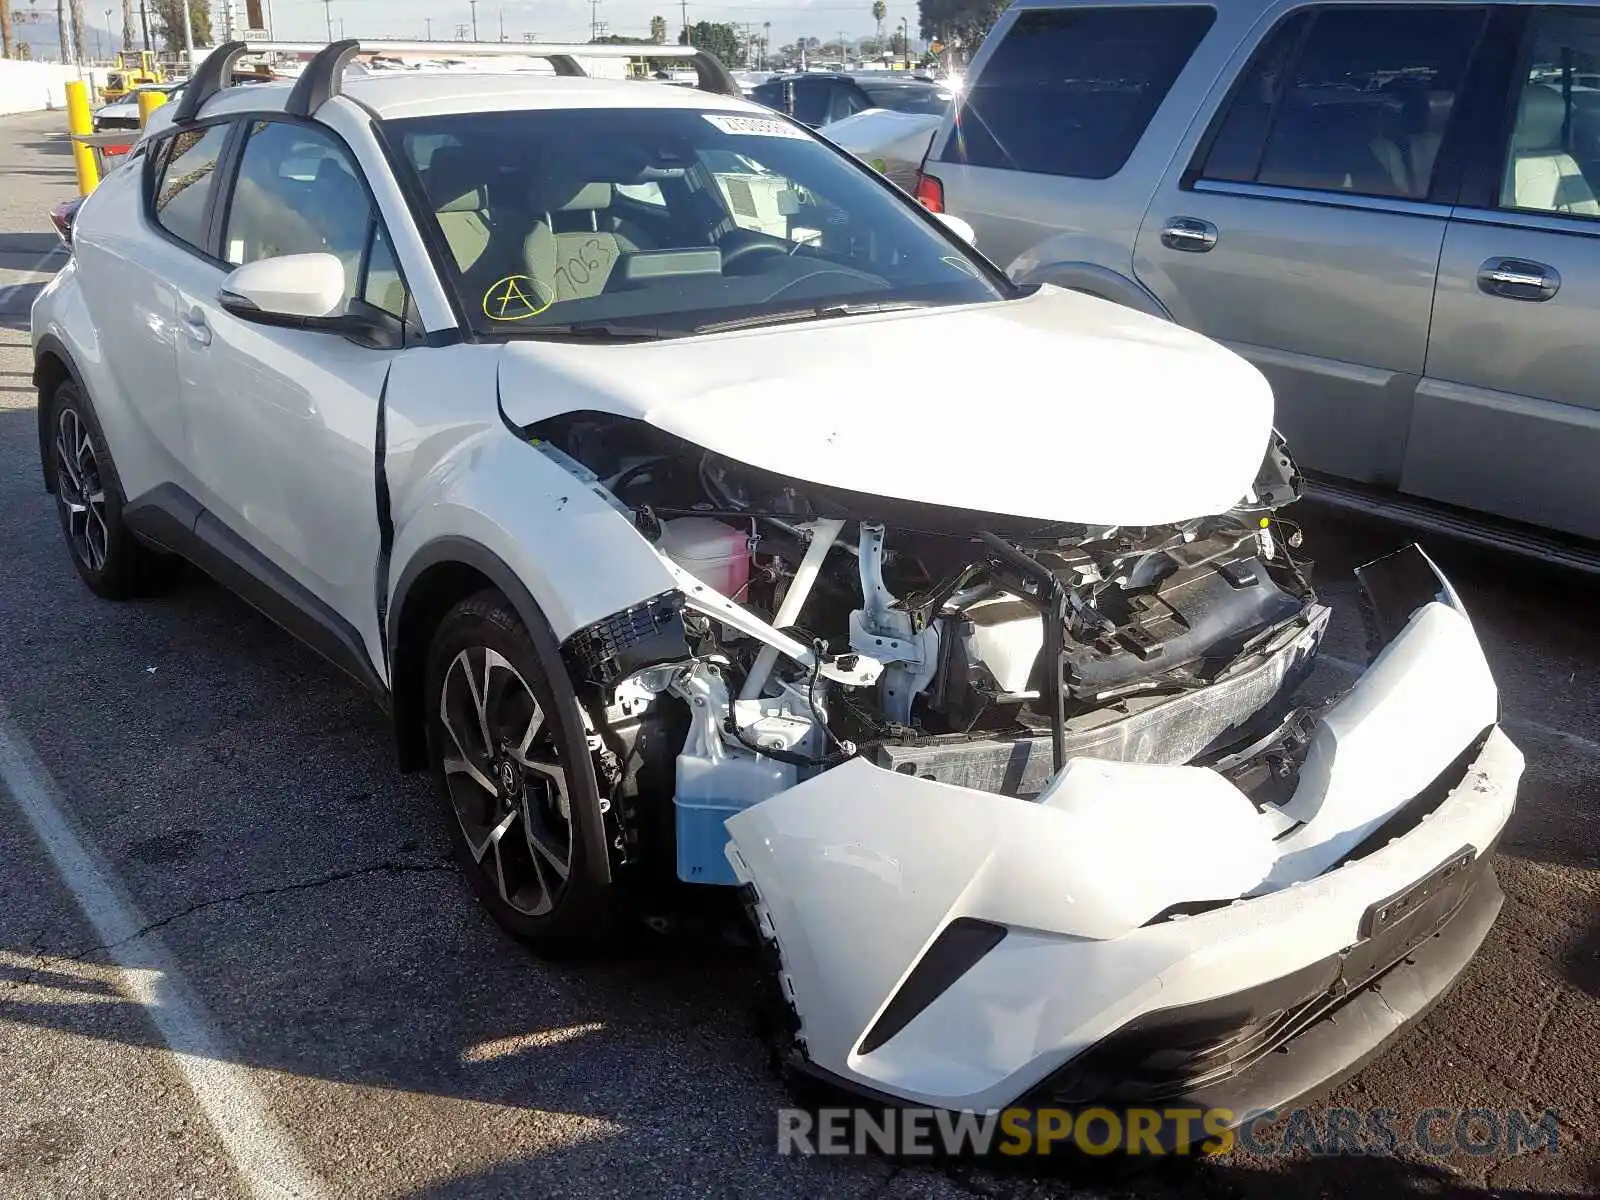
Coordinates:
658 30
879 11
5 28
127 24
80 53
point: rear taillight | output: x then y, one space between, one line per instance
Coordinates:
929 192
61 217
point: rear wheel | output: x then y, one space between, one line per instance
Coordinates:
509 750
89 501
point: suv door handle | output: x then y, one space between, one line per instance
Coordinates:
1518 279
1189 234
195 327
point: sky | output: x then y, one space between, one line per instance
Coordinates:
568 20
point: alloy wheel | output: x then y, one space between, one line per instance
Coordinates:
506 783
80 490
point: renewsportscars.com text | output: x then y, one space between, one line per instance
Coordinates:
1435 1132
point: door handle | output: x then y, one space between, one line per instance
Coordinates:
1518 279
1189 234
195 327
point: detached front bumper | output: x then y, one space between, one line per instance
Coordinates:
1142 934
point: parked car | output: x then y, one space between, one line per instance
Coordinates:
538 405
123 113
1390 208
818 98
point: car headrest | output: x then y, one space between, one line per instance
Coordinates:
1540 118
556 190
454 182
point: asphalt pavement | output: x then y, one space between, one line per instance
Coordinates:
279 975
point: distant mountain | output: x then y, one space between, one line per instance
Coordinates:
34 23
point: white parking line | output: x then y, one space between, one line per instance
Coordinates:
267 1162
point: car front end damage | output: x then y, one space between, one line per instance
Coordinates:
1043 813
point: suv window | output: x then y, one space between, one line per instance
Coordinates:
184 168
297 192
1070 90
1553 157
1351 100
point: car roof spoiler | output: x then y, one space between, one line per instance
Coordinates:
322 77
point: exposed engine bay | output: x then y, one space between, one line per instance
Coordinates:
971 649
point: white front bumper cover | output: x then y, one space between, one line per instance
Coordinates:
959 949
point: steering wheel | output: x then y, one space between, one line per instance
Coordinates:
746 248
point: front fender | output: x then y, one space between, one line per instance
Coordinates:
1091 278
578 557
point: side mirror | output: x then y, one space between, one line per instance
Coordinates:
300 290
960 228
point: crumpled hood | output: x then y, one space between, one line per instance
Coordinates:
1057 407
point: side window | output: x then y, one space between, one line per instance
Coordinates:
185 169
1553 158
811 102
1070 90
297 193
382 287
1359 101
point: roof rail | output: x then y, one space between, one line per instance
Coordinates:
322 75
214 73
321 78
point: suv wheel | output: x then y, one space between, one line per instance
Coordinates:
509 750
89 500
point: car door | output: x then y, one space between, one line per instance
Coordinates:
1304 227
134 307
1508 418
282 422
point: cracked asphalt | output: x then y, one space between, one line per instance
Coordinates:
243 796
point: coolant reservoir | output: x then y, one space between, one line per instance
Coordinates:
717 555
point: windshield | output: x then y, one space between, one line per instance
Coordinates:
929 101
663 222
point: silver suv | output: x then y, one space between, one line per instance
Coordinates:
1391 209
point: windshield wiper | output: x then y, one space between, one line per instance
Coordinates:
821 312
599 331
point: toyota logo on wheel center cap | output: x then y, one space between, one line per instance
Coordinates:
508 776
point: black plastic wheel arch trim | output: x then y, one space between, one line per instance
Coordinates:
174 520
449 549
214 74
958 948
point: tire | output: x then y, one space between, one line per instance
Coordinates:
511 800
89 503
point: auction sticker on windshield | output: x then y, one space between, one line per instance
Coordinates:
757 126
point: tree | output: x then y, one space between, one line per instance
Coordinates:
970 20
720 39
80 50
880 10
658 30
167 22
127 24
5 28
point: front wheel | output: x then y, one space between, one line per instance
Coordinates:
509 750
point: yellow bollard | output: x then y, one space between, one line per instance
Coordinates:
78 122
148 103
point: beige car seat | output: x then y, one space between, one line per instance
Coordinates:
1540 174
460 204
576 239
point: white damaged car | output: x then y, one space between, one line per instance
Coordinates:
548 408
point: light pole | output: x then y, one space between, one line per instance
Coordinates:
905 42
474 4
109 34
327 14
427 23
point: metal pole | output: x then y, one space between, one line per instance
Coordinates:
327 13
474 4
79 122
144 23
188 37
687 40
427 23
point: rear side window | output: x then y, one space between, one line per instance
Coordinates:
186 169
1070 90
1353 100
